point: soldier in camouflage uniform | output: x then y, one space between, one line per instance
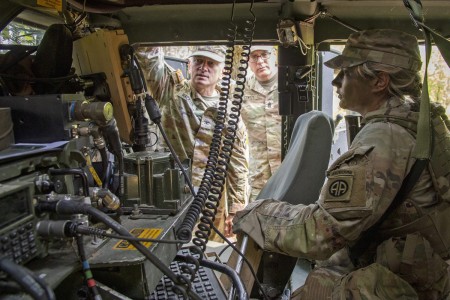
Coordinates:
188 109
405 259
261 117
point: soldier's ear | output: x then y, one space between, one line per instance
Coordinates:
381 82
189 64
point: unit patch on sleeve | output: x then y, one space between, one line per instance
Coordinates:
339 186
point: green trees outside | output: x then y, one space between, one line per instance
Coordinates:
439 79
438 71
20 34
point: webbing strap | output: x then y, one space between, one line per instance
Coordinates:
423 141
423 148
441 42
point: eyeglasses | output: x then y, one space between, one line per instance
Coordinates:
254 58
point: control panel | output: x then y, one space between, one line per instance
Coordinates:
17 225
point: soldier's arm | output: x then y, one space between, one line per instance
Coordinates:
157 73
238 172
360 186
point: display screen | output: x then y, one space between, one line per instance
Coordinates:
13 207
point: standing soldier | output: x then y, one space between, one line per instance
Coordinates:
188 109
261 117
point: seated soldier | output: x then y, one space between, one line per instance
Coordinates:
378 78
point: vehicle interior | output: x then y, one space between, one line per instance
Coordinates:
90 209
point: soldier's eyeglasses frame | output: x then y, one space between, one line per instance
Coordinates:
264 56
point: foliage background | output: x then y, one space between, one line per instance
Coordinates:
438 71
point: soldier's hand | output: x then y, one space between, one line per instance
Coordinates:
229 225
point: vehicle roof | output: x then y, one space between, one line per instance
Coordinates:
181 21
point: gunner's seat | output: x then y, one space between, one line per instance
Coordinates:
298 180
302 172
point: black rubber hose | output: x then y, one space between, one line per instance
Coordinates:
10 287
31 284
105 167
112 136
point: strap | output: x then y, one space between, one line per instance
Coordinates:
416 14
423 148
423 141
368 235
441 42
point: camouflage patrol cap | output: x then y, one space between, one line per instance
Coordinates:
386 46
261 47
216 53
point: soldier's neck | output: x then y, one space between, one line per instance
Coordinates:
207 91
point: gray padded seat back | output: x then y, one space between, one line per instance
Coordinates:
302 172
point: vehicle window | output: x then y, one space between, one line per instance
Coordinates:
438 80
177 57
17 33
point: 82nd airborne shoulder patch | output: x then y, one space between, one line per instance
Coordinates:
339 186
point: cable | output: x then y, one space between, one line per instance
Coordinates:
246 261
66 228
111 135
156 138
340 22
105 167
10 287
90 282
67 207
223 251
30 283
211 187
200 203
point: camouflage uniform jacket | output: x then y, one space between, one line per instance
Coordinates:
360 186
261 116
189 122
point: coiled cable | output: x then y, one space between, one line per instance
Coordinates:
211 187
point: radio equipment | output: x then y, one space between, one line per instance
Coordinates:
17 225
154 183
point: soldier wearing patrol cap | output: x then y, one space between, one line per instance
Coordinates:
261 117
405 258
189 109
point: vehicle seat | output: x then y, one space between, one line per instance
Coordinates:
298 180
302 172
53 58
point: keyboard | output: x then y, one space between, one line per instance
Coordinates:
205 284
